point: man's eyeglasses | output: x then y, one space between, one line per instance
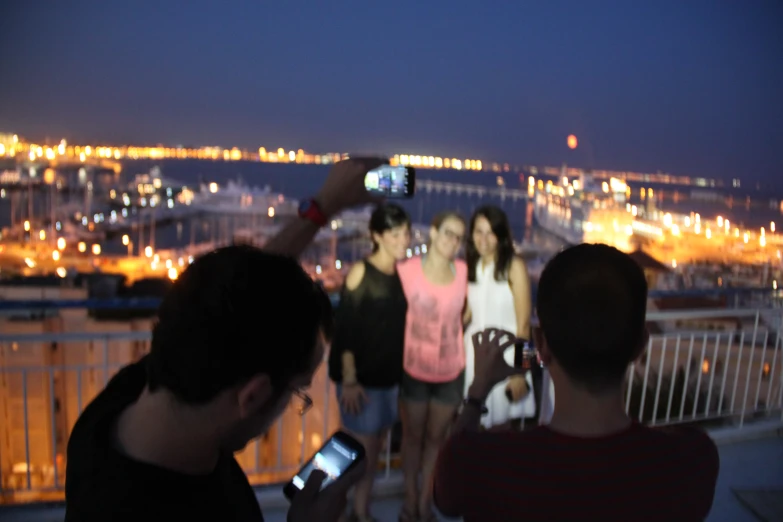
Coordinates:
303 402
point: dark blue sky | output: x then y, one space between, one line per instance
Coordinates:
685 86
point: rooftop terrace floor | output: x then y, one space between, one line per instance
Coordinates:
746 464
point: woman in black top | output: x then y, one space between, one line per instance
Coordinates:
366 355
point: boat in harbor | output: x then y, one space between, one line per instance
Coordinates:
583 210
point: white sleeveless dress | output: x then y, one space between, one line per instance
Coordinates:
492 306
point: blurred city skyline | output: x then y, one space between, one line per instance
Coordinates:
688 88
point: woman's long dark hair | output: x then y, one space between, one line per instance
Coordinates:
498 222
386 217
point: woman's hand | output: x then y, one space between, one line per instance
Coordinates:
352 398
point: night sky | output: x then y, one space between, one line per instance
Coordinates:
685 86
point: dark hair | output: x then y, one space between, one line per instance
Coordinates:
386 217
498 222
592 303
234 313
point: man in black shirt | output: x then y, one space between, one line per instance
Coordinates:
239 335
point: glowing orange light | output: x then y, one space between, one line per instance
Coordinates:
572 141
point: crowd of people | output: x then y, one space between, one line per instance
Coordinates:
430 340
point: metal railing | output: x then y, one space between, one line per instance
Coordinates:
721 367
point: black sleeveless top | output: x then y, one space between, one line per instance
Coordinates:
370 322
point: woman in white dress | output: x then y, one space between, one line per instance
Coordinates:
498 297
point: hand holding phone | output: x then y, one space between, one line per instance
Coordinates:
318 491
391 182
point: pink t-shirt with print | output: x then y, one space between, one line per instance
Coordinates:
434 349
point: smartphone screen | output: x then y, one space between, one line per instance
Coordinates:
334 458
391 182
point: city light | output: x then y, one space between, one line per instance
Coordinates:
125 240
771 226
56 255
271 212
148 251
61 243
96 249
42 235
173 274
27 226
572 141
82 246
61 272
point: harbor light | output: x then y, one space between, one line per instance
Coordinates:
168 263
82 246
148 251
56 255
213 187
675 230
61 243
708 233
745 237
727 226
720 221
173 274
96 249
772 226
156 258
763 241
271 212
61 272
125 240
667 219
42 235
27 226
762 231
698 218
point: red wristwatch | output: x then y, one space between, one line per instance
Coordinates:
311 211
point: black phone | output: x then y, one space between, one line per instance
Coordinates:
340 453
391 182
524 357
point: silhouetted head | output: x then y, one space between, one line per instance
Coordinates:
390 230
447 231
592 303
489 236
239 334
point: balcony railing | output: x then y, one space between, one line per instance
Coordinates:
718 366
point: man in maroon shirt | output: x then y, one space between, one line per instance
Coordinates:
592 462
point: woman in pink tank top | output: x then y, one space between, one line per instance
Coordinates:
435 286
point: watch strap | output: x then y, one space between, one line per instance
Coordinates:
476 403
311 211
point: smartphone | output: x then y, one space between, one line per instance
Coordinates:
524 357
340 453
391 182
